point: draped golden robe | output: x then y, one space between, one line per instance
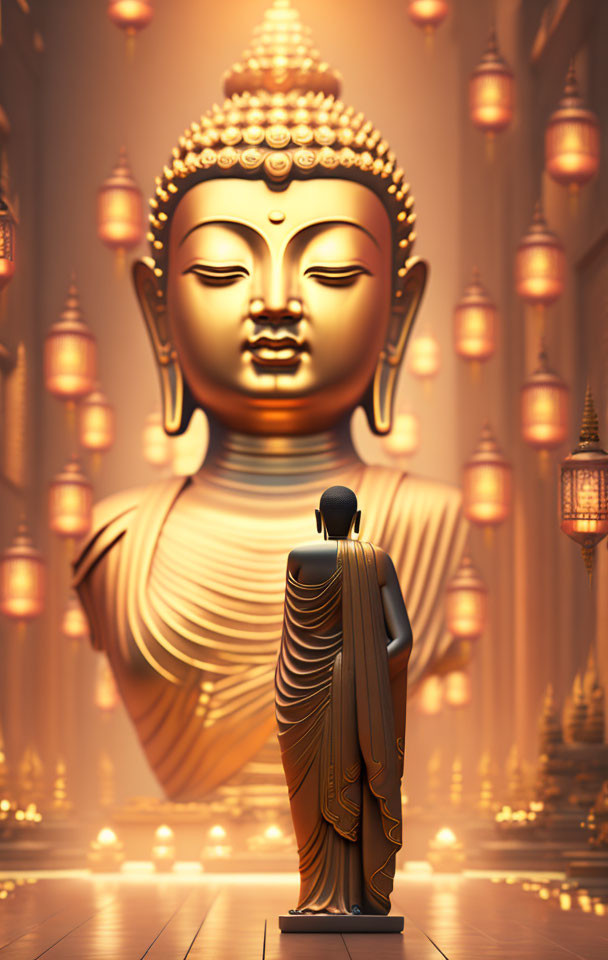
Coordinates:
341 740
183 584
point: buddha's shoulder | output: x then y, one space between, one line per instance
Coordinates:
113 516
393 487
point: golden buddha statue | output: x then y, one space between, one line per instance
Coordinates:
279 296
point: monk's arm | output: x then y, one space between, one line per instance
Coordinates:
395 616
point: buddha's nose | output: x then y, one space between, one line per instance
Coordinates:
289 312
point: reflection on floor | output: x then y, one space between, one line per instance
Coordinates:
234 917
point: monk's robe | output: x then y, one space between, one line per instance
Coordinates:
340 737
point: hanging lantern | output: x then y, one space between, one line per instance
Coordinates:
491 91
106 693
466 602
74 623
404 438
7 244
188 450
120 209
70 502
544 408
540 264
584 487
572 139
428 14
130 15
475 323
458 691
96 423
21 579
70 353
430 697
487 483
155 442
423 357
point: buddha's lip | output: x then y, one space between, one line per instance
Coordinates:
270 351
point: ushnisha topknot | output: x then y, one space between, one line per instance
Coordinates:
282 121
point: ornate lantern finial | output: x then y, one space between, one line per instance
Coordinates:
572 138
584 487
540 263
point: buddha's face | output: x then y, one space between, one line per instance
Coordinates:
278 301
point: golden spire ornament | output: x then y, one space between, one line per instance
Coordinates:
584 487
572 139
491 93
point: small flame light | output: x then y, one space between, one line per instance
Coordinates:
491 91
430 697
130 15
458 689
22 579
540 264
70 502
163 849
155 442
544 408
423 357
74 623
70 353
428 14
106 693
404 438
106 852
96 423
445 852
466 602
475 323
584 487
120 209
572 139
7 244
487 483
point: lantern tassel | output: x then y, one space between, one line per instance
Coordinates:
573 199
490 146
429 40
543 465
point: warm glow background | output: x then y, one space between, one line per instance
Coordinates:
83 99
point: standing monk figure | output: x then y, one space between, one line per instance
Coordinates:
340 703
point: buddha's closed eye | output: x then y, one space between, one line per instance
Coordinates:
336 276
218 275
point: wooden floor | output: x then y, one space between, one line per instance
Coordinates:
235 918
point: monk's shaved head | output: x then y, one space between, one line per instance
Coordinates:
338 506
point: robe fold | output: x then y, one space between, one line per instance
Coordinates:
341 739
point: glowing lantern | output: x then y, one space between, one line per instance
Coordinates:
428 14
155 442
572 139
188 450
584 487
74 623
404 438
491 91
487 483
21 579
120 209
540 264
163 849
466 602
70 353
96 423
458 688
430 697
544 408
106 694
7 244
130 15
423 357
70 502
475 323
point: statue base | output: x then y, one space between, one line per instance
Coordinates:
339 923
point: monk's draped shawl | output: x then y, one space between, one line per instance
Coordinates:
335 712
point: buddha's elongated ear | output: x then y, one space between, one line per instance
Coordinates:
378 402
178 403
